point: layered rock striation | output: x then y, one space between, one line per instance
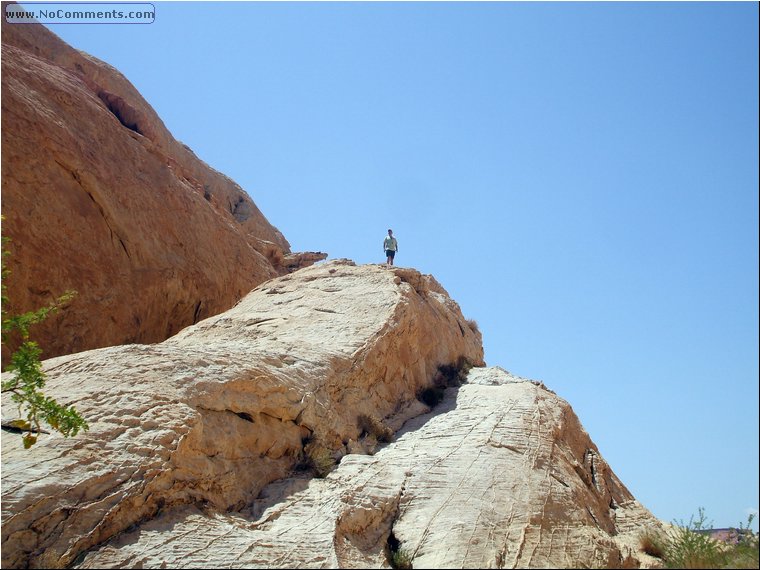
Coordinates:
212 415
99 198
500 475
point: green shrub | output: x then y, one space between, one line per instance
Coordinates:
370 425
398 556
401 559
26 376
691 545
316 458
447 376
744 552
652 543
322 461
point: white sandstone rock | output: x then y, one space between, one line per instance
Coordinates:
215 413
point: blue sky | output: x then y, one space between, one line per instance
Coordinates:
581 177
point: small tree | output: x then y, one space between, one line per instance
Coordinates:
691 547
27 378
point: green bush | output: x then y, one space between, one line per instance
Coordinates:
744 552
321 461
398 556
652 543
447 376
316 458
690 545
401 559
370 425
26 376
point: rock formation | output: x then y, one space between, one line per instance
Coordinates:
215 413
262 436
98 197
501 475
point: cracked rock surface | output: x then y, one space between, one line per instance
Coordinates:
497 476
209 417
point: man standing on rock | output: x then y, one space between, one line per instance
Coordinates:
390 245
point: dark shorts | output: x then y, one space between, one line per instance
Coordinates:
390 253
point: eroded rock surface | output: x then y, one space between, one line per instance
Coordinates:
98 197
212 415
500 475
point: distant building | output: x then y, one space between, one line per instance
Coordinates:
727 535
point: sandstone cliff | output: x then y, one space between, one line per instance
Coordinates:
193 456
98 197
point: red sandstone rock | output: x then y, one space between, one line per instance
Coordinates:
98 197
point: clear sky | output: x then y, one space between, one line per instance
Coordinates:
581 177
